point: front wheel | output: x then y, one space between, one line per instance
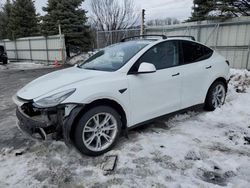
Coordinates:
97 131
216 96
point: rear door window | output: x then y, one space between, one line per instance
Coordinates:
194 52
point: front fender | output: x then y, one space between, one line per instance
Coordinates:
68 123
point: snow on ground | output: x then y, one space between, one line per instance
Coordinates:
23 66
195 149
80 58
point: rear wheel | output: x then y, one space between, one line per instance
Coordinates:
97 131
216 96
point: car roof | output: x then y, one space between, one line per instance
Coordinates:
156 41
156 37
153 42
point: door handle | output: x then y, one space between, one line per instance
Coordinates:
176 74
209 67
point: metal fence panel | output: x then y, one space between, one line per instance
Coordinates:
22 44
40 48
38 44
53 55
9 45
53 44
23 55
39 55
230 38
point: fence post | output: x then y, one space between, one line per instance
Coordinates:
211 33
30 51
97 40
142 22
47 50
16 52
199 34
248 56
216 37
111 37
4 45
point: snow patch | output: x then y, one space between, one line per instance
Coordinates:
196 149
23 66
80 58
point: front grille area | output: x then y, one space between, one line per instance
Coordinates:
29 110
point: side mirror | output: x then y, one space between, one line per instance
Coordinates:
146 68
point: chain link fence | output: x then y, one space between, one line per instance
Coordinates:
106 38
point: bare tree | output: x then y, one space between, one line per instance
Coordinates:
162 22
107 15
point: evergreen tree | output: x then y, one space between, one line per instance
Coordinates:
201 10
219 9
233 8
23 20
4 19
72 19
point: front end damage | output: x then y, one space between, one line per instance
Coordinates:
43 123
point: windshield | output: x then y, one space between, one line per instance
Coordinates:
114 57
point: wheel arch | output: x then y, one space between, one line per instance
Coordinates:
99 102
222 80
218 79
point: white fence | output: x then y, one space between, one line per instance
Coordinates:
40 48
230 38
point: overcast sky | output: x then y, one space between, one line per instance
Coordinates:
180 9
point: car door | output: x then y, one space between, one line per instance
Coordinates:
195 71
158 93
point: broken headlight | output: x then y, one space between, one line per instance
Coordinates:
55 99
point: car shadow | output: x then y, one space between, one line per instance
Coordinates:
162 122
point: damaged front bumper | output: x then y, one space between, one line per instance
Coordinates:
43 123
31 126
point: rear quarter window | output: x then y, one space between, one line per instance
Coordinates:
194 52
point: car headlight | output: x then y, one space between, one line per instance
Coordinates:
54 99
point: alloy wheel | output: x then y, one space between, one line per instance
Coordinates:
100 131
219 94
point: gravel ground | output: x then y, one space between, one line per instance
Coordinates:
10 81
196 149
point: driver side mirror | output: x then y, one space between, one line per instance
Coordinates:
146 68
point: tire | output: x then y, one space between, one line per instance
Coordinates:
89 134
212 102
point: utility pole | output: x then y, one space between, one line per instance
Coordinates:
142 21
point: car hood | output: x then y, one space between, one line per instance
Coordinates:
56 80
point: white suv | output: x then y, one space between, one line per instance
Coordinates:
120 87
